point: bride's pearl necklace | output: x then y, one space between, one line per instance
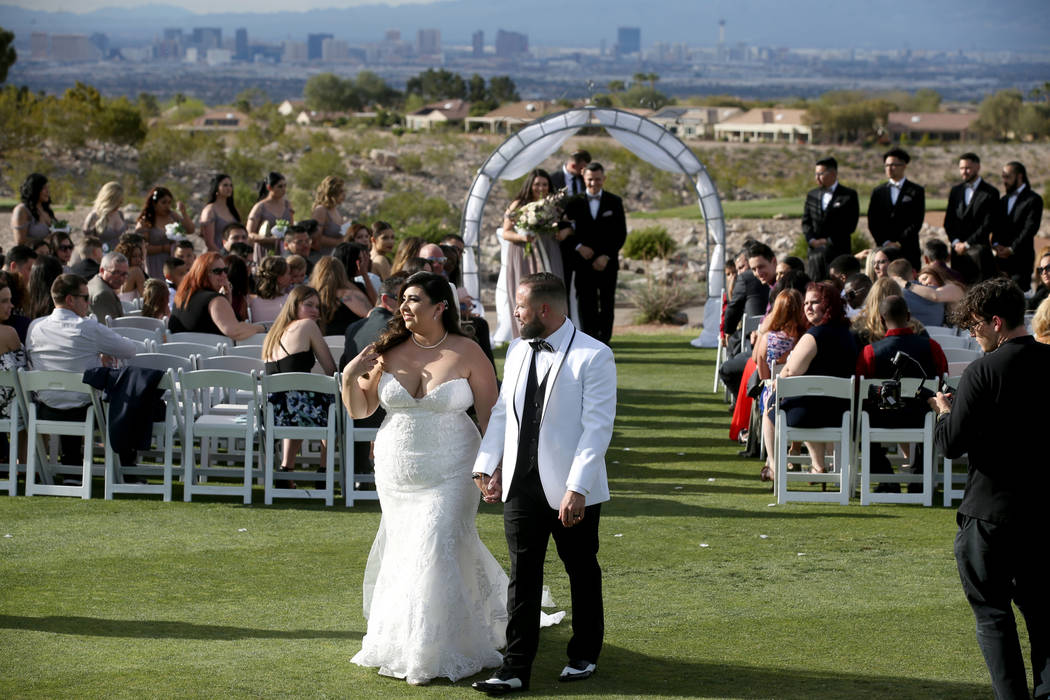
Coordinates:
428 347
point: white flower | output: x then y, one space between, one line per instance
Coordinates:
175 232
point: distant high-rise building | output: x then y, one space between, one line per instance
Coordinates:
73 47
173 34
294 51
392 35
428 42
240 46
101 42
167 48
628 40
477 40
334 50
315 46
511 44
39 46
205 38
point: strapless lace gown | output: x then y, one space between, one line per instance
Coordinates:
434 596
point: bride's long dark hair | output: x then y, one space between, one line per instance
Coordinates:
437 289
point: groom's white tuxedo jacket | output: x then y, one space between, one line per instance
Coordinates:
579 407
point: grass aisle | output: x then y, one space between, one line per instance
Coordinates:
137 598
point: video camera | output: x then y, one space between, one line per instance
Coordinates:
887 395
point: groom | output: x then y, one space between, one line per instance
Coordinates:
550 428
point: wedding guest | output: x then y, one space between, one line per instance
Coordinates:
12 356
271 289
105 220
408 248
199 305
61 247
218 213
160 210
184 252
297 269
133 247
90 251
156 300
32 217
271 207
359 233
327 198
341 302
382 245
239 285
17 320
45 271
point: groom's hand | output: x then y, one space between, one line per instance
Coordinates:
492 488
572 508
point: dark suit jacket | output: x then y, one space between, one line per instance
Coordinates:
899 222
604 234
103 300
971 224
558 180
86 268
362 332
1017 229
749 296
836 223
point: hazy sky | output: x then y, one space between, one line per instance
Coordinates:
203 6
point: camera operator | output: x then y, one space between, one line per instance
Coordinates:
997 416
900 354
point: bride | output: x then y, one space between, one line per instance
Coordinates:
434 596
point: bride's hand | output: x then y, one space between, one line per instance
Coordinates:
494 488
361 365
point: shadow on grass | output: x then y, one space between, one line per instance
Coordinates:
158 629
626 506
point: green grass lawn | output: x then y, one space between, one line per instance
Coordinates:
139 598
759 209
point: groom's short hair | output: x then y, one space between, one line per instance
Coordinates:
547 288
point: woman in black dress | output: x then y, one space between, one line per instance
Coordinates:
200 306
341 302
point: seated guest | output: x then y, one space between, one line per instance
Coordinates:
103 287
90 251
842 267
788 264
923 303
854 292
156 299
174 271
414 265
358 266
244 251
233 232
299 240
407 249
239 285
61 246
17 320
1043 288
785 323
341 302
133 247
270 289
1041 322
12 357
868 326
45 271
826 349
184 252
750 296
201 308
19 260
935 254
297 267
68 340
880 261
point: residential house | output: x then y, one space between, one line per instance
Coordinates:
442 113
766 126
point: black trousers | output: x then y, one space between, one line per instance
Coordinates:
596 300
999 564
530 522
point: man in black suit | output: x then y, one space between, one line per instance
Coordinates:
570 177
968 221
897 208
600 229
1020 213
1000 548
828 219
751 296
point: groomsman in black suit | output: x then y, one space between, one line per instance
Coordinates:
897 208
829 219
968 221
600 229
1019 215
570 177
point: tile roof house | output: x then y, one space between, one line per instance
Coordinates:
766 125
693 122
942 126
435 113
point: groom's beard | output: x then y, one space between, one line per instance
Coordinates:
532 329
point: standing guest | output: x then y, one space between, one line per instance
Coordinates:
218 213
184 252
1019 217
299 241
103 287
61 246
407 249
297 270
105 220
897 208
968 221
1002 517
174 271
90 256
295 344
44 273
600 229
829 218
133 247
160 210
271 207
201 308
18 319
570 178
1041 322
1042 271
341 302
233 234
327 198
544 457
67 340
32 217
271 289
382 245
156 300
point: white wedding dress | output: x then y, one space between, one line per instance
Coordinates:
434 596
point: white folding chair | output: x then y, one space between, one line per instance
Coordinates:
164 433
12 426
163 361
256 339
188 349
349 478
920 434
300 381
212 339
955 369
234 363
838 469
951 341
143 322
141 335
948 478
961 354
253 351
748 325
938 332
133 305
197 393
37 458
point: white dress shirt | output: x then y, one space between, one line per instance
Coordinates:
66 341
544 360
1012 199
969 189
827 196
895 190
594 201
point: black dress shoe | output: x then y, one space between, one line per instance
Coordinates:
577 670
500 686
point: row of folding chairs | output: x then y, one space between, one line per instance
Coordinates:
848 468
223 410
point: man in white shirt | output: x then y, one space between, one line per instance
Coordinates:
68 340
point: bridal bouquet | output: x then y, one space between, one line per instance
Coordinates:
59 226
279 228
542 217
175 232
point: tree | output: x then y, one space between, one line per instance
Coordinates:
476 90
616 86
8 55
434 85
998 114
373 90
327 92
502 89
249 99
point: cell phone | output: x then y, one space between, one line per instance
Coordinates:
946 389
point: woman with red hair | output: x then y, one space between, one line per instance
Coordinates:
200 306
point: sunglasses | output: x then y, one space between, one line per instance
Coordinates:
65 247
1041 270
218 270
438 260
85 297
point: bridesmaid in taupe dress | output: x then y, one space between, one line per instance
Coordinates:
271 207
156 214
219 212
105 221
328 196
32 217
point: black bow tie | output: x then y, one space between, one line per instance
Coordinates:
594 197
541 345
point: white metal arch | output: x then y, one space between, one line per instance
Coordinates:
538 140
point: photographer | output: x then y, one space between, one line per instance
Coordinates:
901 353
998 418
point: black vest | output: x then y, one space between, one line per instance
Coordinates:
531 416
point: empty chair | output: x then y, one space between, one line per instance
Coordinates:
153 336
143 322
256 339
748 325
253 351
188 349
133 305
952 341
163 361
938 332
234 363
202 338
961 354
955 369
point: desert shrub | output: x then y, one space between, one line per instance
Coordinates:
316 165
410 163
858 241
660 301
411 212
368 180
166 147
648 243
